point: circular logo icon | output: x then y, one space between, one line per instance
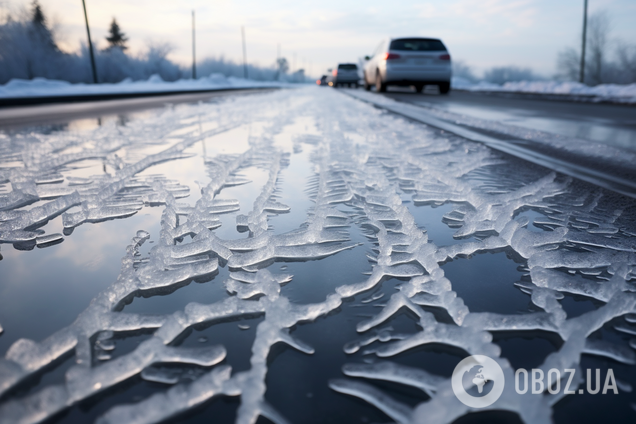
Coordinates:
478 381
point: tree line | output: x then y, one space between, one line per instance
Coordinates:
29 49
607 61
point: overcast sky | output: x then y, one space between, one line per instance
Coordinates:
482 33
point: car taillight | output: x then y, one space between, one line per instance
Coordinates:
445 57
334 72
390 56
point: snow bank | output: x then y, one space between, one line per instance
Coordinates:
42 87
613 92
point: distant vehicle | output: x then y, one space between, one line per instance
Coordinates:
322 81
344 74
409 61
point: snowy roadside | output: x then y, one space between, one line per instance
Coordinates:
41 87
614 93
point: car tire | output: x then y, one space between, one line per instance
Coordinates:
367 86
419 88
380 86
444 87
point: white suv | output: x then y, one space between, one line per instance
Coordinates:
409 61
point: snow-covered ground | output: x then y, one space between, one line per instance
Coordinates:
604 92
41 87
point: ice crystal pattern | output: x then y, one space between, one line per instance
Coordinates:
365 165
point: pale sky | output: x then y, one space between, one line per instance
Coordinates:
482 33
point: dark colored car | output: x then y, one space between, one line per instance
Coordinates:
344 74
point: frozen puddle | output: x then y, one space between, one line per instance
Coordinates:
293 253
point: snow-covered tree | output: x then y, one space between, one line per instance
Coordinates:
41 32
28 50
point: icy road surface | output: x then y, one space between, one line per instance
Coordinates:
300 256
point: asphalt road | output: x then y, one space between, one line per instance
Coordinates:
372 246
606 123
377 249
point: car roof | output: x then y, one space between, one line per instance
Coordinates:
420 37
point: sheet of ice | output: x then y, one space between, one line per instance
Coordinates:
372 174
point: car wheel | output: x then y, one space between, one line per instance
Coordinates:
444 87
419 88
367 86
380 86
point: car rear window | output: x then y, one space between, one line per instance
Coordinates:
417 45
348 66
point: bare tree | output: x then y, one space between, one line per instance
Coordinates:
462 70
597 40
626 62
568 64
504 74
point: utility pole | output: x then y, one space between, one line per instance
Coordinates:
244 54
582 70
90 44
194 52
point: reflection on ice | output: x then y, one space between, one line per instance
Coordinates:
368 212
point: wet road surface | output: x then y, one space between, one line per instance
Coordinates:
300 256
606 123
